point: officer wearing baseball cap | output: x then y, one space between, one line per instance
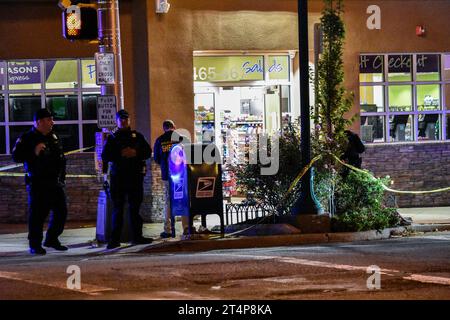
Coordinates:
42 153
127 151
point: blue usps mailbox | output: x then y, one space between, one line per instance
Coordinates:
195 176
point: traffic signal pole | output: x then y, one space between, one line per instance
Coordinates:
109 42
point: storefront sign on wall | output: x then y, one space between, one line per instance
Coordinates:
231 68
428 63
371 64
24 72
106 111
104 67
278 67
399 63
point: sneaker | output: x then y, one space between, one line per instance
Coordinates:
38 250
55 245
113 245
165 235
143 241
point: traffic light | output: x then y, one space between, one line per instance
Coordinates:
80 23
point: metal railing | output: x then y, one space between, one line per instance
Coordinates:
241 212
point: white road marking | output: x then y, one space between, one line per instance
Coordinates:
89 289
322 264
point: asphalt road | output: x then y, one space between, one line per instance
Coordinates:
410 268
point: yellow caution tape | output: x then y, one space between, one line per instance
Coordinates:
15 174
386 187
301 174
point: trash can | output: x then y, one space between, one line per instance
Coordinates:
104 220
195 176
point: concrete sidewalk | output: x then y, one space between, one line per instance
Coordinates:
80 237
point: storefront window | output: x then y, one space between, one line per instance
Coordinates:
2 107
88 73
63 105
429 127
285 99
448 127
28 85
447 96
2 140
446 67
61 74
428 97
2 75
372 128
399 68
400 98
428 67
371 98
15 132
371 68
23 106
89 105
24 75
68 134
89 131
401 128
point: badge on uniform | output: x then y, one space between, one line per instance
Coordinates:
55 137
133 135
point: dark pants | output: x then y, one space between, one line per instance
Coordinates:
121 189
42 199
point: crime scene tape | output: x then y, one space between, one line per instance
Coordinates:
386 187
18 174
309 165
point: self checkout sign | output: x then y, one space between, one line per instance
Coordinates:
104 68
106 111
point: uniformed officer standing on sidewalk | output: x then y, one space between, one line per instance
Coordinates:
42 153
127 150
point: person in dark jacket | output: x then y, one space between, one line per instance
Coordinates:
127 150
162 147
352 154
42 154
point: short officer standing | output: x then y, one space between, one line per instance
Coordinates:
42 153
127 150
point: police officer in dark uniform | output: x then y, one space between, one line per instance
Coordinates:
42 153
127 150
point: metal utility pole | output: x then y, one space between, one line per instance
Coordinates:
109 42
307 203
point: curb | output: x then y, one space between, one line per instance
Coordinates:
286 240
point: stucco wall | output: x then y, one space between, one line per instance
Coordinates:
397 34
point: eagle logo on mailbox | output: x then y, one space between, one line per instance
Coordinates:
205 187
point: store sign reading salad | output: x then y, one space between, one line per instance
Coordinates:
240 68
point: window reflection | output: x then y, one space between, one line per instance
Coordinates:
401 128
2 140
23 107
64 106
68 134
90 106
89 131
372 128
429 127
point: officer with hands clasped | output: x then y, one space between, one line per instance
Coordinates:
42 153
127 150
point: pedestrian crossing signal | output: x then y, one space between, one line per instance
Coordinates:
80 23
